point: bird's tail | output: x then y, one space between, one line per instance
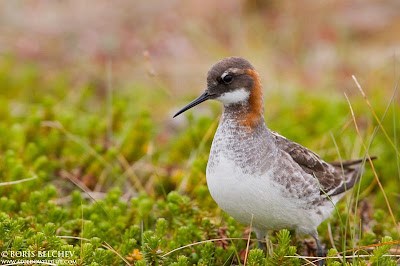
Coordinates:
351 162
352 170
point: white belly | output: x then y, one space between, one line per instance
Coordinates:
242 196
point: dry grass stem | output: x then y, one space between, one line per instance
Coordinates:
212 240
130 172
374 114
193 155
248 240
18 181
372 166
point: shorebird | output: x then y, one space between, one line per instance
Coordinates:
258 176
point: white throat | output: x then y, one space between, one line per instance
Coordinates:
234 97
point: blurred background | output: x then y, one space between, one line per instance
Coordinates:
315 44
88 90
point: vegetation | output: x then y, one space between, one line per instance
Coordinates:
105 184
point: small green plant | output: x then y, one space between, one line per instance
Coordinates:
207 255
256 258
282 250
151 249
332 261
182 261
380 257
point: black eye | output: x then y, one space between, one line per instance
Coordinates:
227 79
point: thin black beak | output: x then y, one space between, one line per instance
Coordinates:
204 97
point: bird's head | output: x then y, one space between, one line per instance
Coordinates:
233 81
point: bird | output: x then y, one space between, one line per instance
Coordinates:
258 176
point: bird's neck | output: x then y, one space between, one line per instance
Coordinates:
249 113
243 115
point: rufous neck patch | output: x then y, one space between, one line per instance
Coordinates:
254 113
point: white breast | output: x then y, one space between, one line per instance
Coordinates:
242 194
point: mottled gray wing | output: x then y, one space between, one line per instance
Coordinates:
333 179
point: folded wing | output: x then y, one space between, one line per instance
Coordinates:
334 178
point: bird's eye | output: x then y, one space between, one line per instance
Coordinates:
227 79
